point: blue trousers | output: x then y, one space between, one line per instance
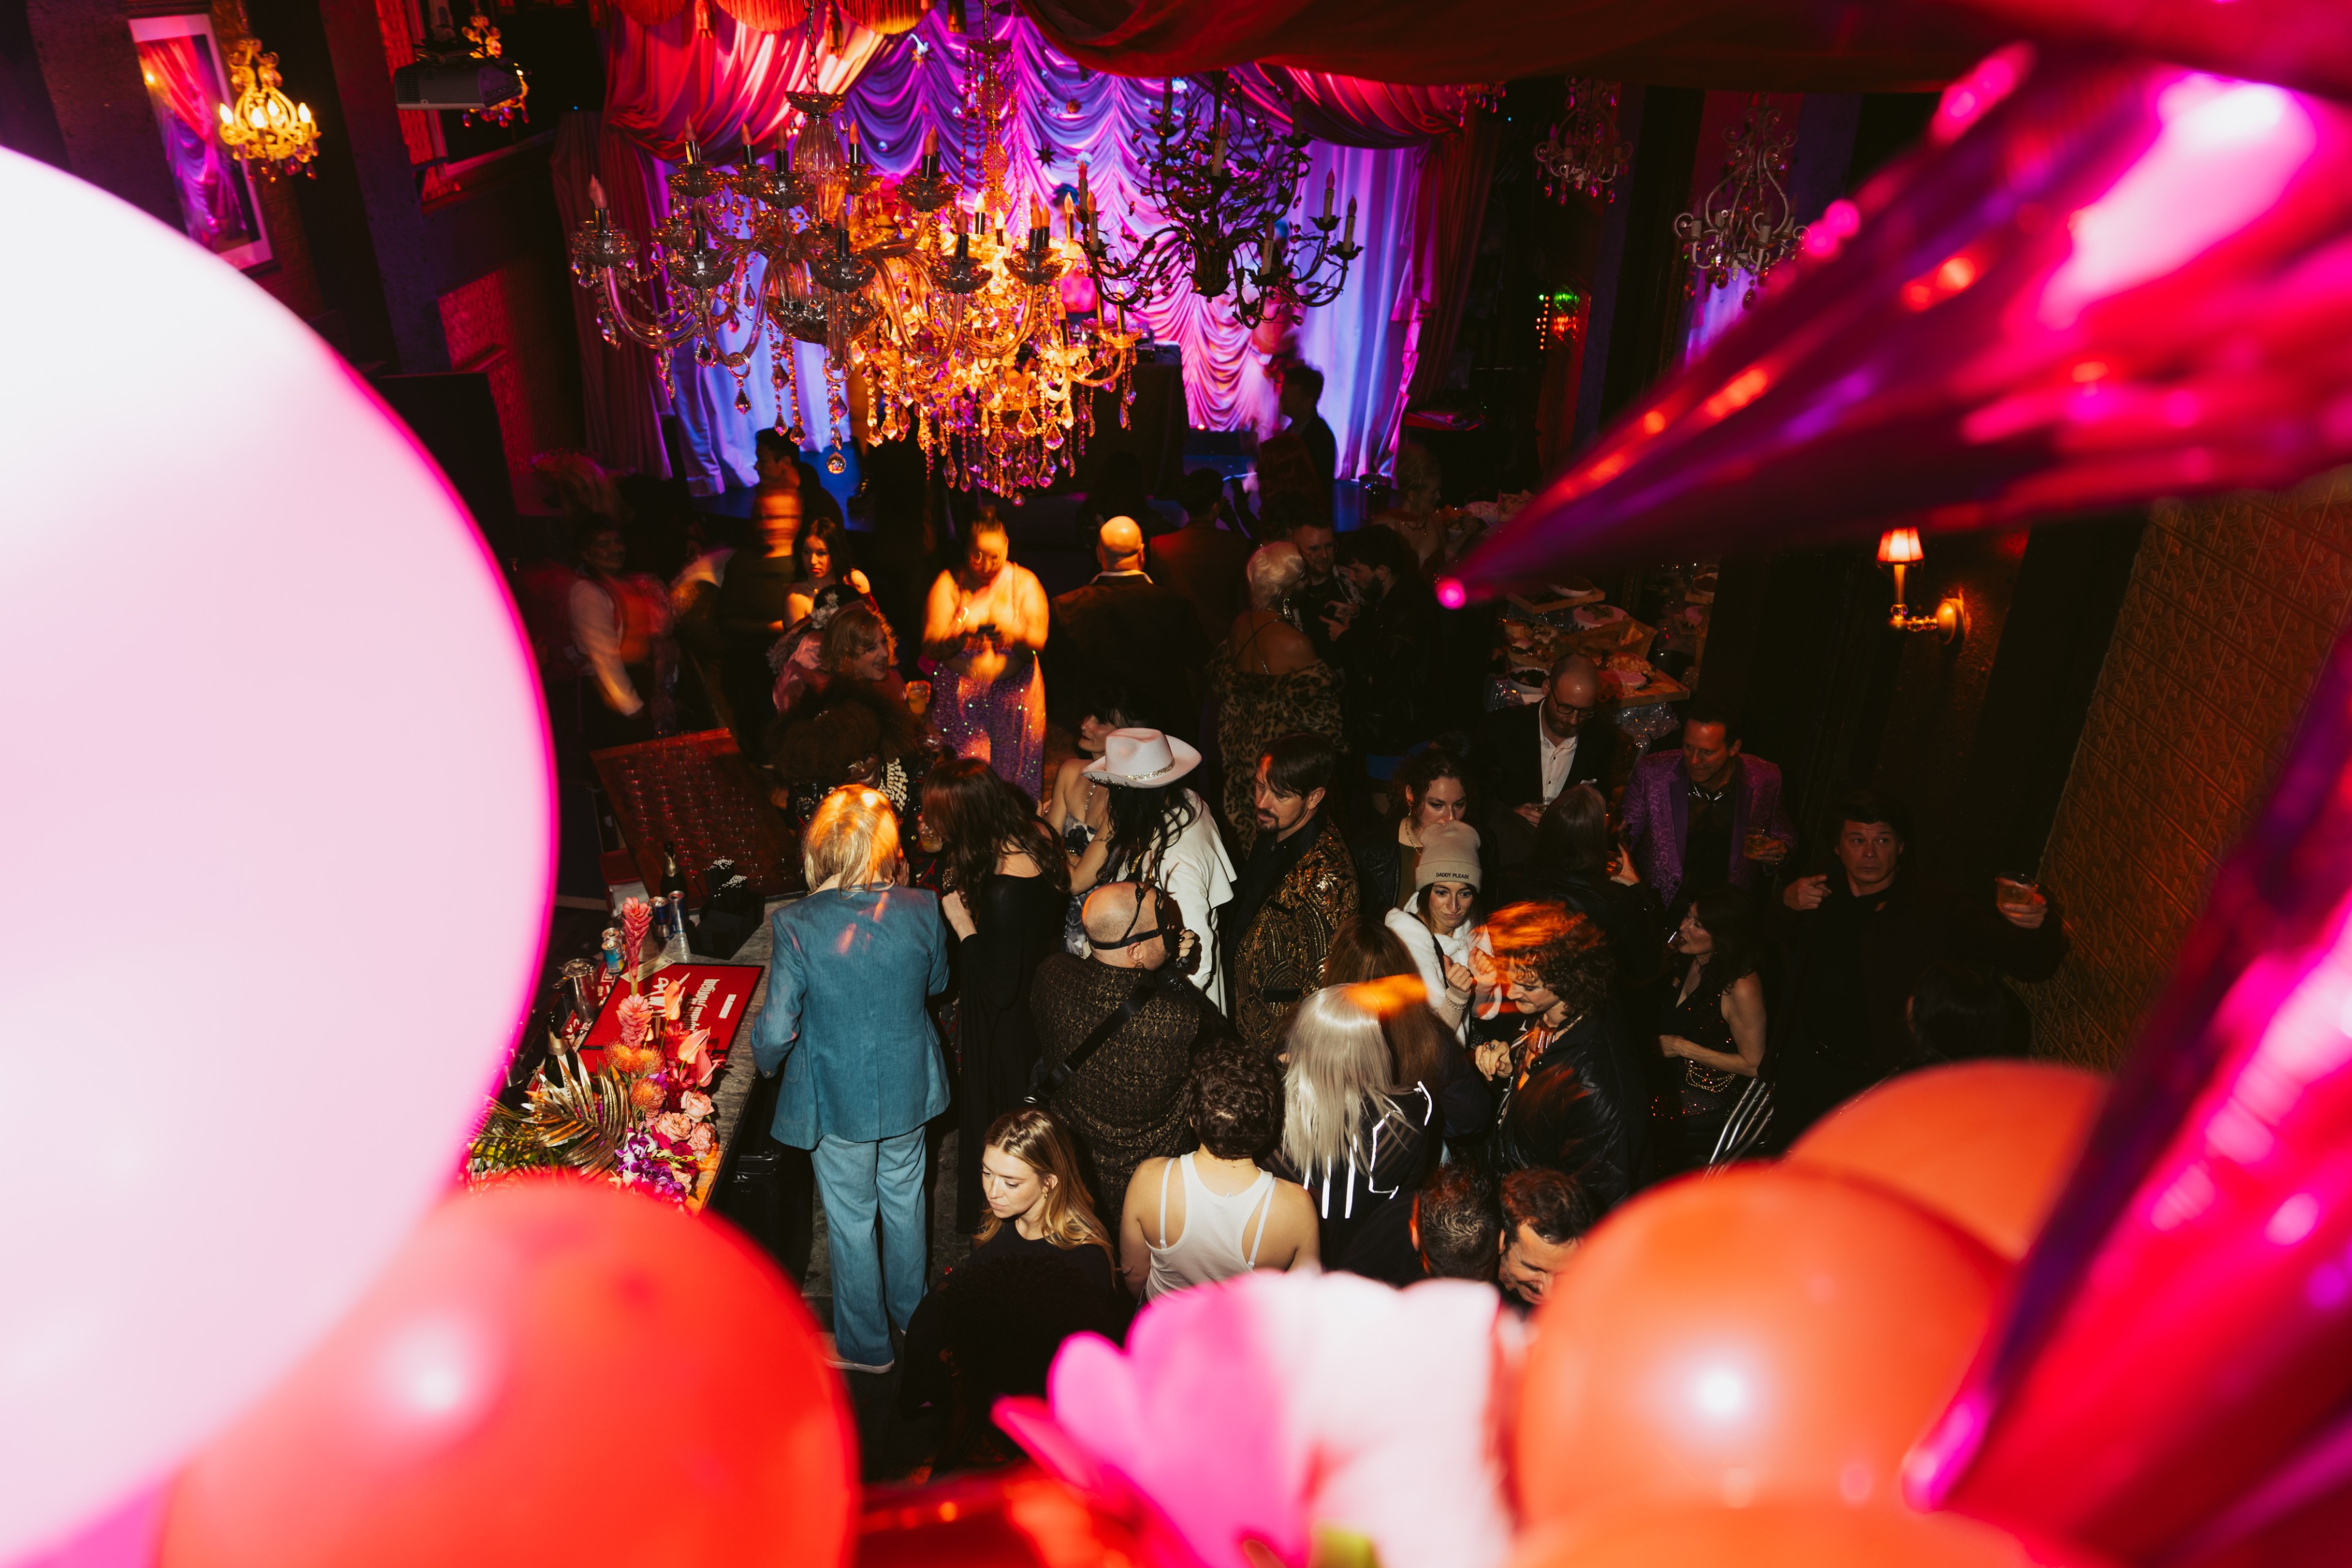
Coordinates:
857 1182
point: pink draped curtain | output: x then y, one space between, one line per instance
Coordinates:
726 87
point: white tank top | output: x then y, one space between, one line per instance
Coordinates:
1219 1241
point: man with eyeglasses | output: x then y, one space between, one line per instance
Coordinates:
1524 757
1705 813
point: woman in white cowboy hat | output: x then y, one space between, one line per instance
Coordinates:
1160 832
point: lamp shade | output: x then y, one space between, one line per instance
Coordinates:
1900 547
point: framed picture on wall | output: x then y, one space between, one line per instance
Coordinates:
187 82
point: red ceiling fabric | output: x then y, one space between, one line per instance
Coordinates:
647 13
768 15
1808 45
1349 111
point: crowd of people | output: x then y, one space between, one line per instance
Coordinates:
1268 946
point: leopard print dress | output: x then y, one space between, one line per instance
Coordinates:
1253 711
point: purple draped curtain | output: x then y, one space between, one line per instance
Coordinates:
671 81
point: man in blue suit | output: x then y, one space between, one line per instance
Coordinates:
853 965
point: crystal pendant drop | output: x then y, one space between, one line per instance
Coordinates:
742 401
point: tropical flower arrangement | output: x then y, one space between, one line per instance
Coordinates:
644 1118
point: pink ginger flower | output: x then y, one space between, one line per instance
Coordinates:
1271 1405
635 1015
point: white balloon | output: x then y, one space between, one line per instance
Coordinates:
274 779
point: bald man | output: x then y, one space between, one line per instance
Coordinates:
1123 631
1524 757
1124 1098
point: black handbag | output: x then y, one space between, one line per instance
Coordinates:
730 914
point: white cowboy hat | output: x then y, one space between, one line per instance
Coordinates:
1142 759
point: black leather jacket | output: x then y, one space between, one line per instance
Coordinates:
1583 1108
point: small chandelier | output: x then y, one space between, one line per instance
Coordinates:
269 132
1746 223
1223 182
482 43
1582 153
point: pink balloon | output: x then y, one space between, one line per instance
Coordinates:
2181 1349
279 839
2102 281
2301 43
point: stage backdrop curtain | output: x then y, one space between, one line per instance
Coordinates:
1823 45
1456 174
670 81
722 87
617 386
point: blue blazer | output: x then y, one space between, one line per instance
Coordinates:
847 979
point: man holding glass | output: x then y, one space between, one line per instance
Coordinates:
1862 935
1707 813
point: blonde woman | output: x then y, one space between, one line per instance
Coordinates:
852 967
1356 1139
1038 1203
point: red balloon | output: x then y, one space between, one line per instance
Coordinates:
556 1372
1788 1535
1984 1145
1020 1517
1763 1334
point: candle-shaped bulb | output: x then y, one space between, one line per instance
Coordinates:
596 194
1330 180
1349 237
1085 200
930 141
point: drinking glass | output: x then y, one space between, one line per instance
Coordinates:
2016 891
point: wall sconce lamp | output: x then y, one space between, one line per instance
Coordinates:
1899 548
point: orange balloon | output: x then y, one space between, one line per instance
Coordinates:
554 1371
1984 1145
1763 1334
1790 1535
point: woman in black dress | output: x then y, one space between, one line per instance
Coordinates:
1715 1025
1006 884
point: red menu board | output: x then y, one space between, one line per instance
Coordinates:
718 997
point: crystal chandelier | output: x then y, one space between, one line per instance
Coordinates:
959 337
1582 153
1223 182
1746 223
271 132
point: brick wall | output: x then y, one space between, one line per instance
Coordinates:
2233 606
515 325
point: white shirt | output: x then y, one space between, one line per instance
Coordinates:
1429 953
1559 759
596 629
1200 876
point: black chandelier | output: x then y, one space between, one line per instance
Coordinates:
1223 182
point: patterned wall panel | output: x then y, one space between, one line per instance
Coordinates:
2233 604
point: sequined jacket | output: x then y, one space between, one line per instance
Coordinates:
1281 954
